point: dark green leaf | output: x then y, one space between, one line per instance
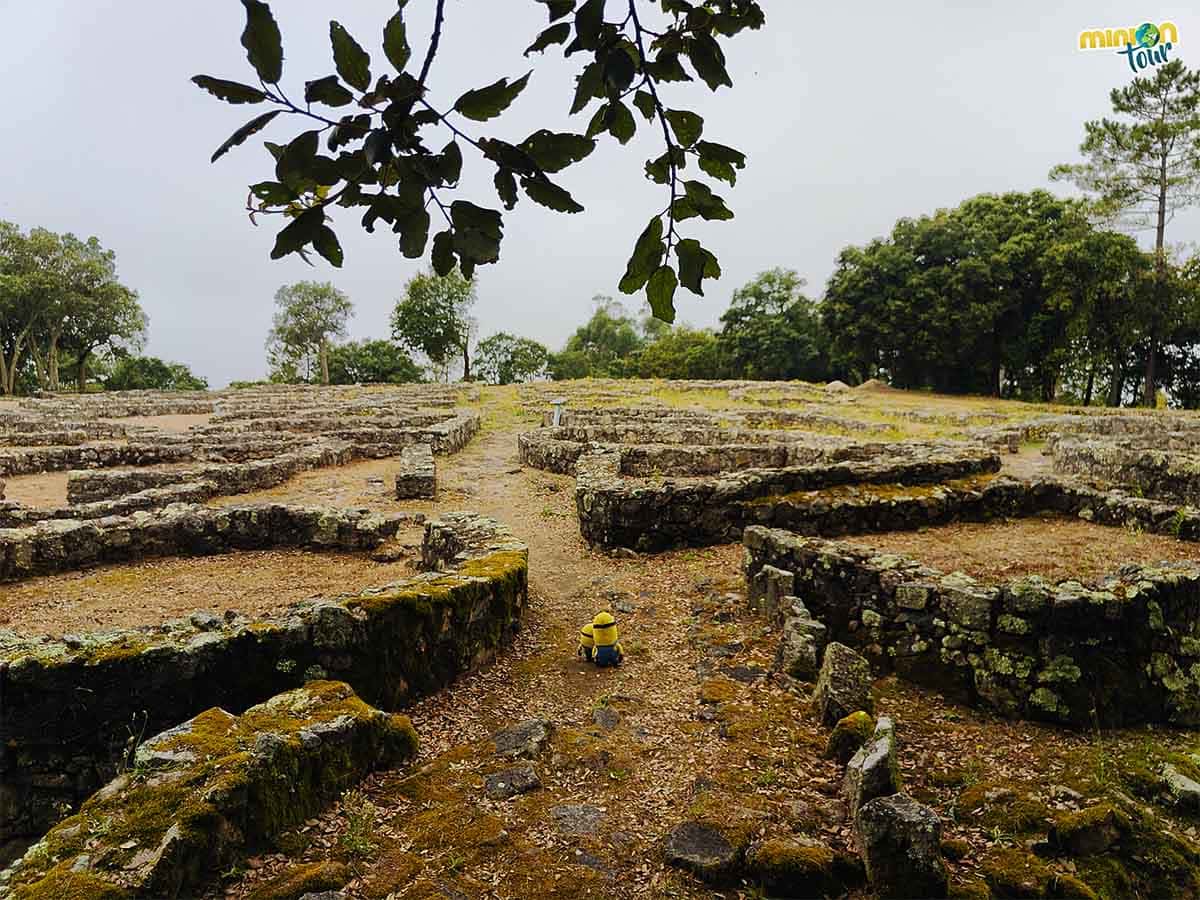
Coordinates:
548 194
644 101
695 264
443 253
666 67
588 20
263 43
725 154
558 8
327 90
255 125
229 91
468 216
476 247
272 193
326 243
507 156
489 102
686 124
506 187
621 125
647 256
619 72
324 171
414 232
297 158
352 61
555 34
705 54
718 169
378 147
300 232
589 84
450 163
395 42
553 151
683 209
599 122
660 291
707 204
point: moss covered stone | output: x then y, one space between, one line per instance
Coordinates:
210 790
1089 831
786 867
1018 873
306 878
848 735
1007 807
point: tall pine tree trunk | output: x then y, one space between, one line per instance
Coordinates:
1160 285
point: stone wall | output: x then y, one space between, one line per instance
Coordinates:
1124 650
230 478
63 545
71 704
171 825
868 509
1152 471
30 461
651 515
417 476
17 515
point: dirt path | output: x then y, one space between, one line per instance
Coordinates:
641 774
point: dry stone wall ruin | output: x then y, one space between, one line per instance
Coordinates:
69 703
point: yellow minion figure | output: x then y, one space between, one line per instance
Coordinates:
604 636
586 642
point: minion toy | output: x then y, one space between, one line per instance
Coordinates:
604 636
586 642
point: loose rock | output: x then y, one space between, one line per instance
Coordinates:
511 782
843 685
900 842
702 850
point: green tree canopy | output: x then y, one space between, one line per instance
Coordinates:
771 331
59 293
395 149
505 358
953 300
308 316
434 317
139 373
602 346
1142 167
681 352
371 362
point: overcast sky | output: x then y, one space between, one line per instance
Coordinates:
852 116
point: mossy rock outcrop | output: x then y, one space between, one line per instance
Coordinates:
204 794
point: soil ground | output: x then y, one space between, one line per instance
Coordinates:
1058 549
158 590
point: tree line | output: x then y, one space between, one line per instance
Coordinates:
67 320
770 331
